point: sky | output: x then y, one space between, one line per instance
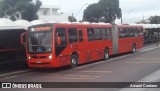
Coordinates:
133 10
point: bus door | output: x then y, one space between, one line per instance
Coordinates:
76 41
61 46
81 45
73 39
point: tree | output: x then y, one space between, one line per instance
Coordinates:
154 19
92 13
103 11
72 19
20 9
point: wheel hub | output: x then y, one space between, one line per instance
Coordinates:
73 61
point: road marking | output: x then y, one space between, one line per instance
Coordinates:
145 62
76 75
11 76
69 75
84 76
96 71
76 78
56 75
145 59
97 76
149 49
81 78
141 51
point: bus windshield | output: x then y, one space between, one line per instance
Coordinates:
40 42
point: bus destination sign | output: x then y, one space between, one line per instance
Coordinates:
46 28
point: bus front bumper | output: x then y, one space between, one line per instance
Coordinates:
42 63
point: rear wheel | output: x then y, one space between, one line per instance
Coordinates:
134 48
73 61
106 54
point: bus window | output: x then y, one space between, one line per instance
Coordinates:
135 32
90 34
61 32
109 34
121 33
140 31
80 36
104 33
72 33
97 34
131 32
126 32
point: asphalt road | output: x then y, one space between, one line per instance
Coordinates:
121 68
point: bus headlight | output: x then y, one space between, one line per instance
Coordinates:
50 57
29 57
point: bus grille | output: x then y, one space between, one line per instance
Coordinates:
40 63
39 57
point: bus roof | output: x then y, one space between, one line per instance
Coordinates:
129 26
86 24
10 27
75 25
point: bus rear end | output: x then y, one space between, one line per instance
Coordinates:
40 46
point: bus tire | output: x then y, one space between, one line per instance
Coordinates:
73 61
133 48
106 54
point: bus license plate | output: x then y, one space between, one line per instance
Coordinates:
39 62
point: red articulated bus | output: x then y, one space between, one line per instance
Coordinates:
61 44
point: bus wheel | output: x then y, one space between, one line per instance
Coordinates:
134 48
74 61
106 54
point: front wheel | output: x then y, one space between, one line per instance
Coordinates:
106 54
73 61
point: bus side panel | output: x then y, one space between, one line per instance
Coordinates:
93 50
125 44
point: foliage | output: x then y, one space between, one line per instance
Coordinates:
20 9
72 19
154 19
103 11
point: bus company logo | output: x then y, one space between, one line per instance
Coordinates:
6 85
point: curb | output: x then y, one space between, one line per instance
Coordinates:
14 73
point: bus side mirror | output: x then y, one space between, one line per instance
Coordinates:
59 40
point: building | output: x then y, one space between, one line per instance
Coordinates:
50 13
